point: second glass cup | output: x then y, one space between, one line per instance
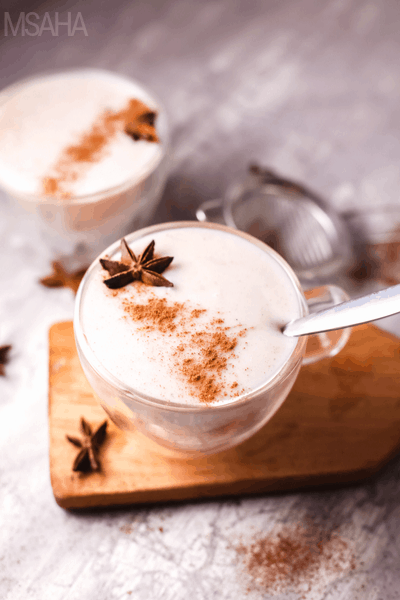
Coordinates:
59 129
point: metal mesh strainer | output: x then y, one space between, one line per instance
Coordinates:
311 237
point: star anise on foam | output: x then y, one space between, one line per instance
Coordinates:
142 127
145 268
4 350
87 459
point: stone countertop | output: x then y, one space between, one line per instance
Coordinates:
308 88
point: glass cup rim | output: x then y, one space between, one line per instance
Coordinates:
96 196
112 380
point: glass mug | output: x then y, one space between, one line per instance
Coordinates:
202 429
82 226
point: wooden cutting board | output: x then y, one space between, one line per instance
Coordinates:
340 423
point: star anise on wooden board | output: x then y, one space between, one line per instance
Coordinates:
4 350
62 278
87 459
145 268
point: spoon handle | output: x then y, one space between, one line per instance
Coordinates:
361 310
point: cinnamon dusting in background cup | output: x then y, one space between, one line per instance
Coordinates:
136 119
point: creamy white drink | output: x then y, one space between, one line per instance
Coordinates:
208 340
42 117
85 153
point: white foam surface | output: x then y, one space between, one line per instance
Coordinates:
231 278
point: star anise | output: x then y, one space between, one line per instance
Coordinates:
143 128
87 459
145 268
4 350
62 278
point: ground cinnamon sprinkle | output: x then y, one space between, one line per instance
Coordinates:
136 119
295 557
156 313
196 312
209 360
203 349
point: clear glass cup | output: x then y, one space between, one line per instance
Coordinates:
203 429
82 226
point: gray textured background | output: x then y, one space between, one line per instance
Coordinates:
310 88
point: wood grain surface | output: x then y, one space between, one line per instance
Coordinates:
340 423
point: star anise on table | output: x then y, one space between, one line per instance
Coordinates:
60 277
145 268
87 459
4 350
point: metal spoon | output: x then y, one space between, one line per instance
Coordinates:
354 312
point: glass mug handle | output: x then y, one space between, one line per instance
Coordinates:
329 343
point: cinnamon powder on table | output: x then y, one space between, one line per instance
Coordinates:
297 557
136 119
201 351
